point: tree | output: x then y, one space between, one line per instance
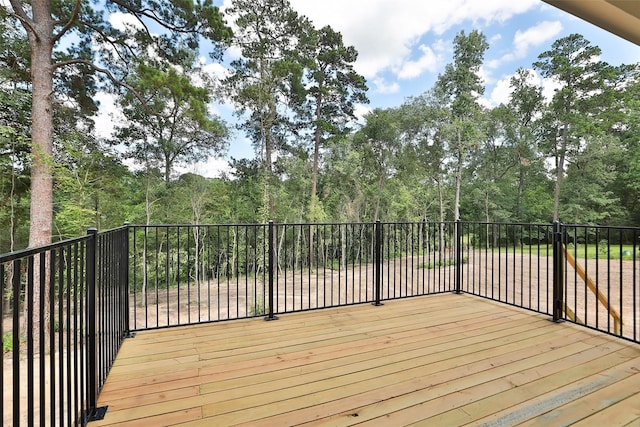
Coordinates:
266 79
46 24
461 85
524 108
424 120
334 89
171 124
379 140
508 156
89 186
15 113
70 43
343 190
573 63
627 183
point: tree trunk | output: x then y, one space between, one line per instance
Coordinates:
234 243
40 35
314 175
441 242
487 214
167 172
147 210
521 179
7 289
381 182
41 44
456 203
316 150
559 173
268 150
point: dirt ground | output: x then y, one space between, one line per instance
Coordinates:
518 279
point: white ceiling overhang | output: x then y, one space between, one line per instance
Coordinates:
620 17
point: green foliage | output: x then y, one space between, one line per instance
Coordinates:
572 114
173 125
259 308
603 247
7 342
439 155
460 86
603 250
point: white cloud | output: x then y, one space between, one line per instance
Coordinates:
124 21
429 61
549 88
360 111
214 167
384 32
525 40
501 92
108 115
234 52
216 70
485 76
535 36
381 86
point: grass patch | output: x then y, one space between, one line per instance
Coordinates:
579 251
602 250
7 342
259 308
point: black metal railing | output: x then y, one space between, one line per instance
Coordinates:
62 326
600 278
188 274
184 274
67 307
509 263
579 273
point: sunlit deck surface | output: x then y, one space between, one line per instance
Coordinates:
440 360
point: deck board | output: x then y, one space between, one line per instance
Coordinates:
437 360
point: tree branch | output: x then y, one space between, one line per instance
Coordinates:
107 39
20 14
149 13
111 78
70 22
133 12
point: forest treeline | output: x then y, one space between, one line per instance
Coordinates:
445 154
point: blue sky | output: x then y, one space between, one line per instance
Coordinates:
404 44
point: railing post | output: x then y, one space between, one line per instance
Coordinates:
272 267
124 285
378 260
93 412
458 256
558 272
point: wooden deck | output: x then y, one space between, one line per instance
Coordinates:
442 360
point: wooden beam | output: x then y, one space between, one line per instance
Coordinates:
617 321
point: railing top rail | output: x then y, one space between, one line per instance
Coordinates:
257 225
24 253
294 224
527 224
195 225
605 227
114 230
298 224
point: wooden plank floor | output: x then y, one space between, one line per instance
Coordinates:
442 360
